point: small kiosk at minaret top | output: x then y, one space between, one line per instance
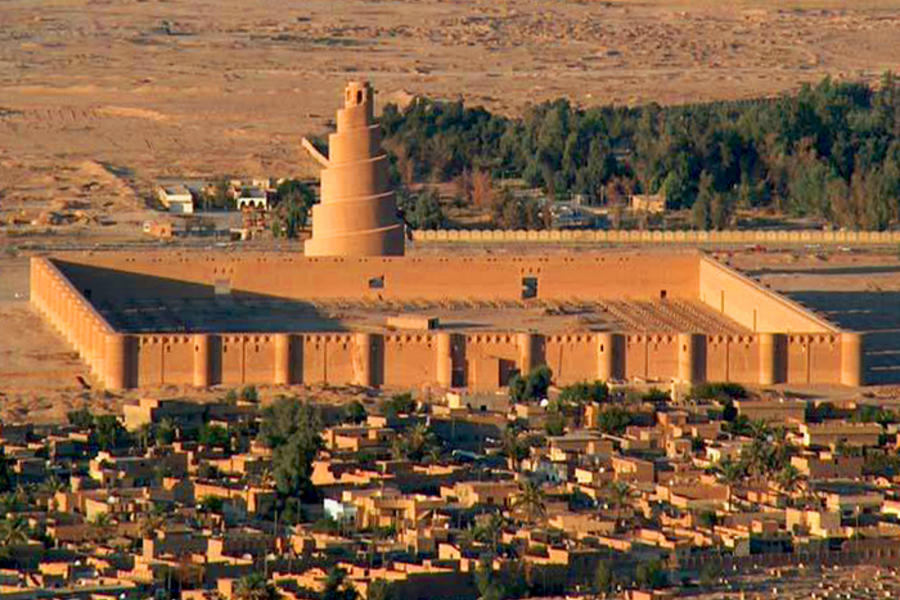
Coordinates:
357 214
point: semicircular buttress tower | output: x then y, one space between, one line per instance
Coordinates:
357 214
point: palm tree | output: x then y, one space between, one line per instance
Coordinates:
490 531
789 480
10 502
103 524
530 502
618 494
151 523
255 587
144 435
731 473
51 486
759 430
13 531
513 447
759 454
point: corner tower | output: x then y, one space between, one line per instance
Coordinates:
357 215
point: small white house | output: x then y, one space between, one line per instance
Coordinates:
177 199
252 197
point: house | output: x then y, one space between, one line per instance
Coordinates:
252 197
650 203
779 411
176 199
833 432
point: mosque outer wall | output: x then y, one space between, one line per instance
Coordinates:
806 350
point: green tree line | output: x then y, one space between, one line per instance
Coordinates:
830 151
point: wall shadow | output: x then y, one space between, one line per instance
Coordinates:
877 314
858 270
137 303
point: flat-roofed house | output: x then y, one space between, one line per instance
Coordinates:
176 199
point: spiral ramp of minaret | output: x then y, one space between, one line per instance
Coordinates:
357 213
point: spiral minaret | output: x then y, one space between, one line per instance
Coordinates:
357 214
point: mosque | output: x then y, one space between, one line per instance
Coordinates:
357 309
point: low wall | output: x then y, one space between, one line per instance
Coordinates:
762 237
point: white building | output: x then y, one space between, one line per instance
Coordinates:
176 199
252 197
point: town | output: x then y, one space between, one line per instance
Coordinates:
587 489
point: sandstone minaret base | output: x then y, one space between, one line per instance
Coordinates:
357 215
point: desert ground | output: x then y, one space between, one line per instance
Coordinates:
100 97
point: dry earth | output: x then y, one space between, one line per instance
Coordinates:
149 88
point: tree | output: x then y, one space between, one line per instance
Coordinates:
13 531
415 444
603 578
150 524
555 423
51 486
255 587
109 433
486 580
291 429
7 475
514 448
294 200
221 194
730 473
215 436
483 194
707 519
337 587
613 420
164 432
702 208
729 411
829 150
81 418
650 575
249 393
144 436
789 480
534 386
618 495
490 531
355 412
530 502
399 404
379 590
423 211
584 393
710 572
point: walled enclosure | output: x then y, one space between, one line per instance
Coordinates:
783 341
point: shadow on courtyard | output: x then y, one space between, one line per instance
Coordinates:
877 314
138 303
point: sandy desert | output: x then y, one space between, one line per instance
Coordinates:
103 92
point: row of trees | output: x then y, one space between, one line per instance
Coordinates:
830 151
